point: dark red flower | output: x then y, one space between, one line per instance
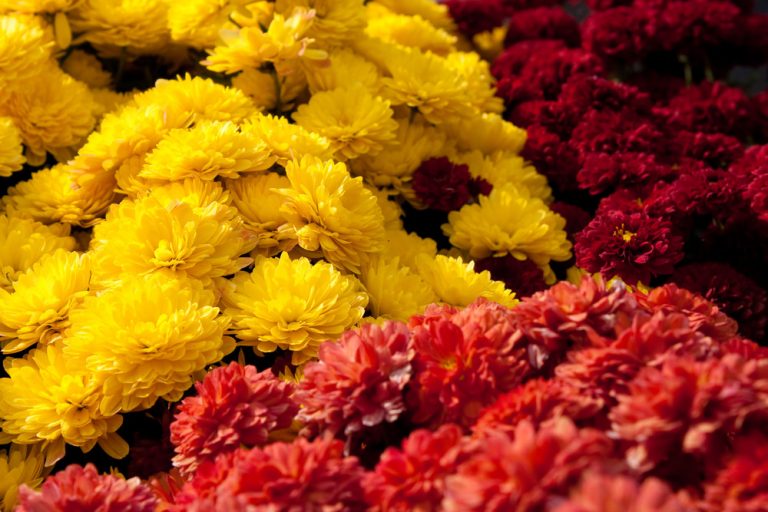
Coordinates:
635 247
442 185
83 489
618 34
512 61
576 218
714 149
604 172
543 23
711 107
523 277
611 132
742 484
552 157
693 27
475 16
583 93
359 381
412 477
235 406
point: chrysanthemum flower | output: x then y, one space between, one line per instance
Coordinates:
412 477
333 213
395 290
235 406
287 141
740 484
480 88
301 475
37 309
510 221
354 121
86 68
293 305
82 488
501 167
411 31
441 184
51 399
40 6
262 88
139 25
171 229
23 242
20 464
342 68
407 247
26 43
436 14
146 338
197 22
457 283
523 276
487 132
358 383
11 157
336 22
208 150
522 471
53 115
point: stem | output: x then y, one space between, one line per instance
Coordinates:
121 65
278 98
688 72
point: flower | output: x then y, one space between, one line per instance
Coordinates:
621 33
235 406
457 283
86 68
20 464
287 141
332 213
411 31
359 382
139 25
197 23
37 309
336 22
145 338
11 157
522 276
475 16
543 23
23 242
442 185
26 44
740 483
65 398
354 121
396 291
293 305
82 488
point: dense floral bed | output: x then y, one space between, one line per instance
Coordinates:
386 255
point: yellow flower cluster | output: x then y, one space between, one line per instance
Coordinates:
256 200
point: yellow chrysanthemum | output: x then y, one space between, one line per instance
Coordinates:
486 133
47 397
407 247
20 464
502 167
416 140
146 338
490 44
55 195
54 113
86 68
336 21
391 210
26 43
11 157
351 118
396 291
208 150
139 25
260 86
287 141
344 67
481 92
407 30
292 305
258 200
174 229
510 221
456 283
434 12
333 213
23 242
108 100
197 22
37 309
249 47
39 6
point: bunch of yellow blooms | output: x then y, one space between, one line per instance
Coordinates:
255 200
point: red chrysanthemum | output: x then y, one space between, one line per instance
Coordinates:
711 107
543 23
610 132
464 360
618 34
442 185
522 471
359 381
413 477
83 489
742 484
552 157
618 493
716 150
576 218
235 406
582 93
686 410
522 276
301 475
604 172
695 26
475 16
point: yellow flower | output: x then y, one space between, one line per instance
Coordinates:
351 118
487 132
258 200
146 338
435 13
11 157
481 92
19 464
336 21
86 68
287 141
407 247
456 283
47 397
39 6
140 25
108 100
178 228
344 67
55 195
249 47
292 305
23 242
490 44
197 22
407 30
260 86
333 213
208 150
54 113
501 167
391 210
37 309
396 291
510 221
26 44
